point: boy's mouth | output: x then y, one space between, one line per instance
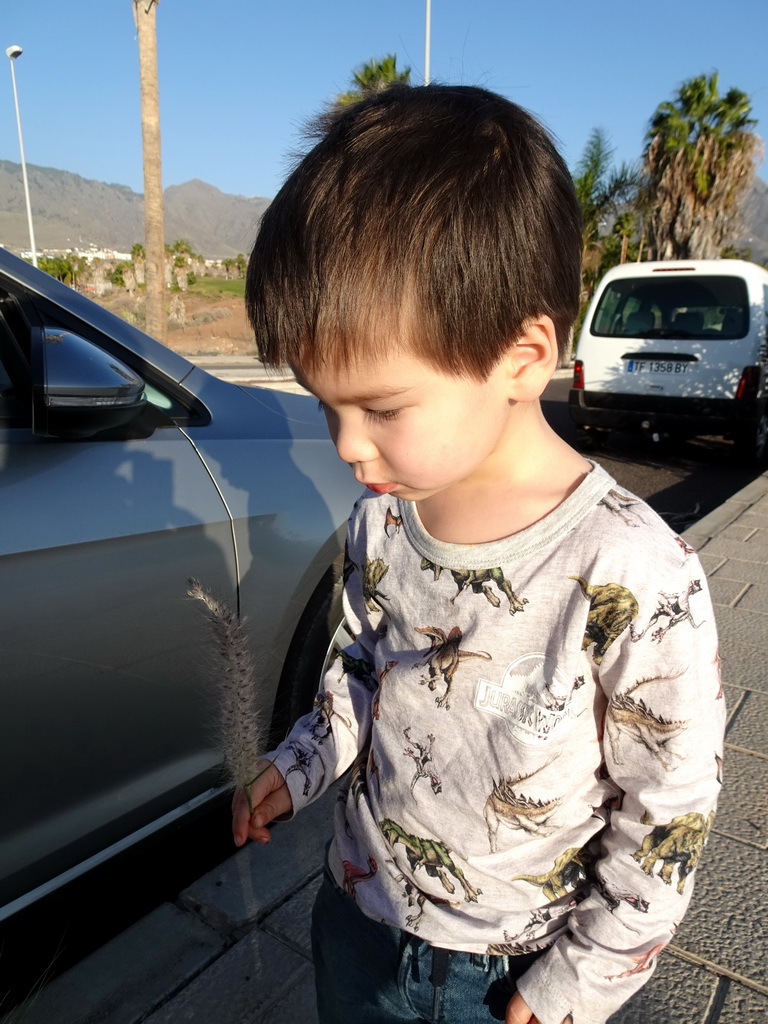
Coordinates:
381 488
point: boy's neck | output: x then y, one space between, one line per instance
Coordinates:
541 473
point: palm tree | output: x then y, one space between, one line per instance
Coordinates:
698 162
372 77
154 240
602 191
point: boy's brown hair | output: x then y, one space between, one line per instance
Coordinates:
437 219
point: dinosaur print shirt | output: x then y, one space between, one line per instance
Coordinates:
533 732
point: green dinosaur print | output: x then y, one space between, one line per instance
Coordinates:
568 871
374 571
478 580
430 854
360 668
611 610
676 844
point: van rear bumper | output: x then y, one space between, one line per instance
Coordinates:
665 413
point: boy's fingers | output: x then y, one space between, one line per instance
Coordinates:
270 798
519 1012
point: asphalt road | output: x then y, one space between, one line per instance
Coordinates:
681 480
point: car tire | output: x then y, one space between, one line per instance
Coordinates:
753 443
319 636
589 440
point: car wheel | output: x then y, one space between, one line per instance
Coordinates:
753 443
320 635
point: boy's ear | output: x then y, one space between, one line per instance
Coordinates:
532 360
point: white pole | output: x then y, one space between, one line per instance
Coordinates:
427 35
12 53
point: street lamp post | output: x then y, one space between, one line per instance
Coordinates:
12 53
427 41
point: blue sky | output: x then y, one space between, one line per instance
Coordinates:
239 77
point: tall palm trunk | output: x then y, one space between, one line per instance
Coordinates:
154 238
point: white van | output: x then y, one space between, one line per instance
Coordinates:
677 347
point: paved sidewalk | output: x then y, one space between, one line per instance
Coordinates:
235 948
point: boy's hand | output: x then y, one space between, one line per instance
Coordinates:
519 1012
270 798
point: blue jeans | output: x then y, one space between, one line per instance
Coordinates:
369 973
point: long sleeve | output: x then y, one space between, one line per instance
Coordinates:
324 743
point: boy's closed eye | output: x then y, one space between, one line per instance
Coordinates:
381 414
370 414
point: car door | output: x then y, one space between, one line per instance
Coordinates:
104 720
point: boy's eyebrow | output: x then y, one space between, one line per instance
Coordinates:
375 396
379 394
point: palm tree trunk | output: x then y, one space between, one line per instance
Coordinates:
154 238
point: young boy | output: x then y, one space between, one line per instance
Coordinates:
531 708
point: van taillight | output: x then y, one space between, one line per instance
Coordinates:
578 375
749 383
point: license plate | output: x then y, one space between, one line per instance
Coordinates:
657 366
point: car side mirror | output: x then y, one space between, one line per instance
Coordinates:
80 389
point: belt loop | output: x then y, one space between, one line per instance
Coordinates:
440 958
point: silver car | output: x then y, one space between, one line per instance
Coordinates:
125 470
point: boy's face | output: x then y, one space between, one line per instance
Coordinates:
409 430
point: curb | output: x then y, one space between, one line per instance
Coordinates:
703 531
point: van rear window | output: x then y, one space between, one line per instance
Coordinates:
673 307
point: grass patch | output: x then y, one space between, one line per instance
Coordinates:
213 287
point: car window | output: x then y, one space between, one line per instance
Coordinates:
714 307
15 404
14 410
16 357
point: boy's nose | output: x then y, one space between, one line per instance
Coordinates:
352 445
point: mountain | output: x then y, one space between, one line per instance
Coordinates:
755 216
74 212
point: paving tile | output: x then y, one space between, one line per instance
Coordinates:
134 972
755 599
749 726
723 924
743 1006
741 626
743 808
299 1005
755 549
739 531
734 696
291 922
242 987
740 569
757 515
725 591
712 564
249 883
677 993
743 664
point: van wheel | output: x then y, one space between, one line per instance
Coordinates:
589 440
753 443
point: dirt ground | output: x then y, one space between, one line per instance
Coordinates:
197 325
